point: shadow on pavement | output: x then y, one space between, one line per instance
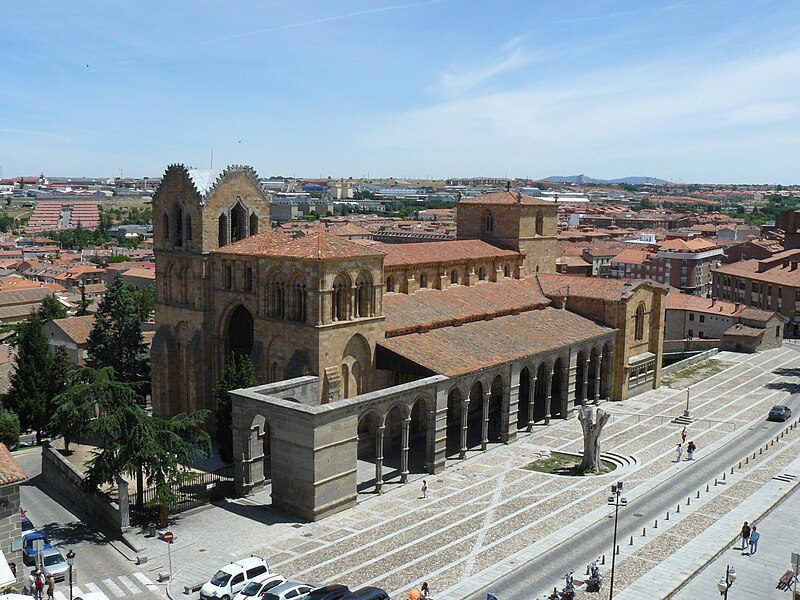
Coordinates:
262 513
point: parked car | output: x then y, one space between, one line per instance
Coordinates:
230 579
259 586
779 413
334 591
27 526
367 593
54 564
31 544
289 591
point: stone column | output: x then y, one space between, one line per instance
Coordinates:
351 309
464 425
531 399
404 449
487 395
548 400
609 375
597 371
379 457
437 434
585 382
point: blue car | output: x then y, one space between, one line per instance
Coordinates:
30 547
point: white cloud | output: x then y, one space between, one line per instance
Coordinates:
460 80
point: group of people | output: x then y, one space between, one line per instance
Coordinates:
420 593
37 584
690 447
750 536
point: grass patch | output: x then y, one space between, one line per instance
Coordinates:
559 463
694 373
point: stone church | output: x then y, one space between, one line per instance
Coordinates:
397 357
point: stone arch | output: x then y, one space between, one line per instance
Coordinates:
523 402
239 221
177 224
364 294
582 376
357 357
593 374
340 309
171 283
392 439
639 322
506 270
539 223
184 285
605 372
239 331
453 277
370 423
253 224
494 426
167 232
389 284
187 228
261 446
488 221
423 280
276 359
475 414
276 294
296 303
558 388
540 392
421 435
223 236
481 274
455 407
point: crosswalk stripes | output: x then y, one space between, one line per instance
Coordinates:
60 595
114 588
129 584
146 581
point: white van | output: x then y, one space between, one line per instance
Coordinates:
231 578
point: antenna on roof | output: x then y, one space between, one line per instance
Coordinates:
508 186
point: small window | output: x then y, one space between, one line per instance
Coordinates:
700 333
423 281
256 571
248 280
453 277
691 316
702 318
389 285
506 271
778 331
237 579
691 333
481 274
228 277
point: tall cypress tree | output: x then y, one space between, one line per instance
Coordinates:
51 309
30 394
116 339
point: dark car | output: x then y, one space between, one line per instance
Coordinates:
367 593
27 526
31 544
779 413
328 592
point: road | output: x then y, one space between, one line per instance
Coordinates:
99 566
547 570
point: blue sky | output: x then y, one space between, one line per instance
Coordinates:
686 90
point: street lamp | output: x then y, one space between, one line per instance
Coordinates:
616 501
723 585
70 560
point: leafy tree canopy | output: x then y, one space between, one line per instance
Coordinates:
239 373
51 309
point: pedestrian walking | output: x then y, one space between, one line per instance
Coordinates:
678 452
754 537
38 585
745 535
684 433
424 590
690 450
51 587
424 489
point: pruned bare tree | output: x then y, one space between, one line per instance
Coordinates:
592 421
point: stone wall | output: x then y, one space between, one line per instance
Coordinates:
59 474
11 527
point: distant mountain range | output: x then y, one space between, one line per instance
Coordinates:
585 179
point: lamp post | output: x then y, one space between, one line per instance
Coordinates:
723 585
616 501
70 560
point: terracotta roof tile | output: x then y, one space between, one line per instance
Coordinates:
10 471
740 330
588 287
779 274
260 243
75 328
506 198
678 301
440 252
430 309
315 246
693 245
631 257
453 351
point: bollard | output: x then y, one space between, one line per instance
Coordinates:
747 462
631 542
688 501
617 548
655 525
644 532
667 519
707 487
731 470
760 450
723 477
754 455
715 482
678 509
603 560
740 464
698 494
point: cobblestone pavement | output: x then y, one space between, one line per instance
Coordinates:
483 510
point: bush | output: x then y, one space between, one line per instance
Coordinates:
9 429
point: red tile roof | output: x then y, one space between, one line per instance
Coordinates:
440 252
748 269
678 301
506 198
631 257
587 287
693 245
431 309
453 351
10 471
76 328
315 246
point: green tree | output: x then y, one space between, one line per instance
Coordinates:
59 373
83 307
9 429
29 395
51 309
116 338
239 373
73 410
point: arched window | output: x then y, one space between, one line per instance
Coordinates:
253 224
273 373
539 223
248 280
223 230
639 325
188 228
341 299
364 294
166 230
481 274
345 381
297 300
275 294
423 281
453 277
488 222
506 271
238 222
177 222
389 285
228 277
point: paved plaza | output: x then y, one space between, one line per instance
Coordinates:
486 517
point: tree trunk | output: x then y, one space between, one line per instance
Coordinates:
140 490
66 445
592 428
164 515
